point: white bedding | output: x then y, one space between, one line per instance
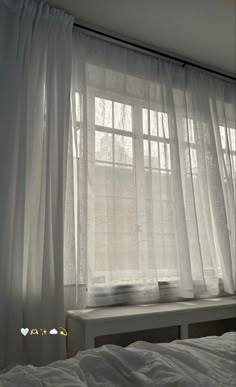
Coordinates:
207 362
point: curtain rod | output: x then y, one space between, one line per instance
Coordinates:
156 52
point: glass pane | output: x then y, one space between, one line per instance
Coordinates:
103 146
124 182
168 156
103 212
170 265
233 161
125 254
162 155
153 123
223 137
145 121
122 116
103 251
103 112
232 139
158 184
162 217
154 154
146 153
189 131
123 149
125 216
153 184
230 164
191 160
104 179
163 128
116 239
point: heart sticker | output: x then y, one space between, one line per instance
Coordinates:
24 331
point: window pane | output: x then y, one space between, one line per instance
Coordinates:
124 181
146 153
163 220
232 139
189 131
116 252
163 128
168 156
103 112
162 156
104 179
165 156
154 154
233 161
161 185
125 216
145 121
223 137
191 160
123 149
103 146
169 266
230 163
153 123
122 116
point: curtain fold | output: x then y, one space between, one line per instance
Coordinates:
35 77
117 178
154 154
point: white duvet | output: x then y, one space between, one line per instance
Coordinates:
207 362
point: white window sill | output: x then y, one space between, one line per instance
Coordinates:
84 325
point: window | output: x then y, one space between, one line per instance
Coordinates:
125 216
132 231
158 195
113 137
115 212
190 150
153 168
228 143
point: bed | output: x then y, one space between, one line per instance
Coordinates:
207 362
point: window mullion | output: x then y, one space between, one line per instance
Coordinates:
140 189
113 188
91 192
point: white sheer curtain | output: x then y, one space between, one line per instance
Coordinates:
35 76
154 179
131 192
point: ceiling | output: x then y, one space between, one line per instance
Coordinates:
202 31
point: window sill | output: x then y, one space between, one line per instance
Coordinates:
85 325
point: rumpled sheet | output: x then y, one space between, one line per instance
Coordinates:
207 362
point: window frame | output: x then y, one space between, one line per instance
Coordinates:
137 104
